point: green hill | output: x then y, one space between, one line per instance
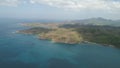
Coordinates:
97 21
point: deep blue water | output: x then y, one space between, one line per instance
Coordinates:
26 51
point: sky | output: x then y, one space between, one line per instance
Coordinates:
59 9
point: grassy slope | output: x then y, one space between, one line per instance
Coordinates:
99 34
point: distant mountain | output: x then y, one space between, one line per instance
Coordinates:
117 23
97 21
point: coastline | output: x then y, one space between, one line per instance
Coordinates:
67 42
99 44
50 35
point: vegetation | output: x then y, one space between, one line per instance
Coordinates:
106 35
76 33
34 30
62 35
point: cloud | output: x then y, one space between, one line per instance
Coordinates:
12 3
80 4
69 4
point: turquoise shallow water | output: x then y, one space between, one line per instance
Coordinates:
26 51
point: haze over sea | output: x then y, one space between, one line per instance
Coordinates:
26 51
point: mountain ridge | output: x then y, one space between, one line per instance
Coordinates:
96 21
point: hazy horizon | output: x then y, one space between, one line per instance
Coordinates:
59 9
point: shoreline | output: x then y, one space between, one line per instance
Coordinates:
99 44
71 43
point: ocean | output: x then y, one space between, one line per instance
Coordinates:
27 51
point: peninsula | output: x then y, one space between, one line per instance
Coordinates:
54 33
75 33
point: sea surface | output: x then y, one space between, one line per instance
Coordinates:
27 51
